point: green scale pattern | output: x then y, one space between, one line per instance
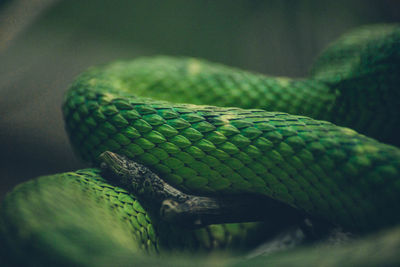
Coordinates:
322 169
349 85
105 207
231 146
363 67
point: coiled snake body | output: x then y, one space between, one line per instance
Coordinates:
243 142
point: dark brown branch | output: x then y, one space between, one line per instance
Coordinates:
190 210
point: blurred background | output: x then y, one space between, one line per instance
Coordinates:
44 44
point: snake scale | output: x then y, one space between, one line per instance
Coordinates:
242 134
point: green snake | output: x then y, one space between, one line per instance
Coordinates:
242 134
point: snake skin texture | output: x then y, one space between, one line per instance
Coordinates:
362 67
237 136
101 206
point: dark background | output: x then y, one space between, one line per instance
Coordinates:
44 44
